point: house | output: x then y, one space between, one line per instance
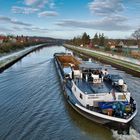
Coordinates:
22 39
90 45
111 44
1 41
2 38
12 40
123 44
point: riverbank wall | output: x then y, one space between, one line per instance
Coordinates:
9 61
129 67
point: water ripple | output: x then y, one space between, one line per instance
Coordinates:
32 105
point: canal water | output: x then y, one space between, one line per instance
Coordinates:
32 105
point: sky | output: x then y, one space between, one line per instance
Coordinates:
68 18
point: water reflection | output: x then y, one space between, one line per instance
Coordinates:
32 105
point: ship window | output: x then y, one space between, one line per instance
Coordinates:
81 96
121 97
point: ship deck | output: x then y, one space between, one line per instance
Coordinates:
94 88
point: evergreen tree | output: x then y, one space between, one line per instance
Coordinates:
102 40
95 39
85 39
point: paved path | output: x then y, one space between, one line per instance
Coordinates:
127 59
2 58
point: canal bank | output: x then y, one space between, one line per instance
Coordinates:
31 101
129 67
9 60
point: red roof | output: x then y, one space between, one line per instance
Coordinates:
2 37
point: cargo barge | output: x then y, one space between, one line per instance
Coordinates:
94 93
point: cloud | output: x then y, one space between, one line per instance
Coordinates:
112 23
11 21
106 7
31 29
37 29
18 26
20 23
3 30
24 10
36 3
48 14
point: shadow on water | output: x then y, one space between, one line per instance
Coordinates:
88 128
134 127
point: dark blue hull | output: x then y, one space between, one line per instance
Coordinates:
66 86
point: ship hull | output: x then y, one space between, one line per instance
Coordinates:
119 126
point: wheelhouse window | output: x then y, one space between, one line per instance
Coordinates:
81 96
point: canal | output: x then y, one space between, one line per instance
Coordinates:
32 105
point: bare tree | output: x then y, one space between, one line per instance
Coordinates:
136 35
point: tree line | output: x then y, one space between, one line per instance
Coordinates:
12 43
84 39
10 47
99 39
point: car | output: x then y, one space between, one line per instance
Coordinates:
114 79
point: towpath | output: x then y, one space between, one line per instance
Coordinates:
128 64
127 59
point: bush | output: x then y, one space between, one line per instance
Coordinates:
10 47
107 48
135 55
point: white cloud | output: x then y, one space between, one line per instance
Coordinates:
48 14
11 21
5 30
34 6
36 3
24 10
18 26
30 2
32 29
106 7
111 23
37 29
